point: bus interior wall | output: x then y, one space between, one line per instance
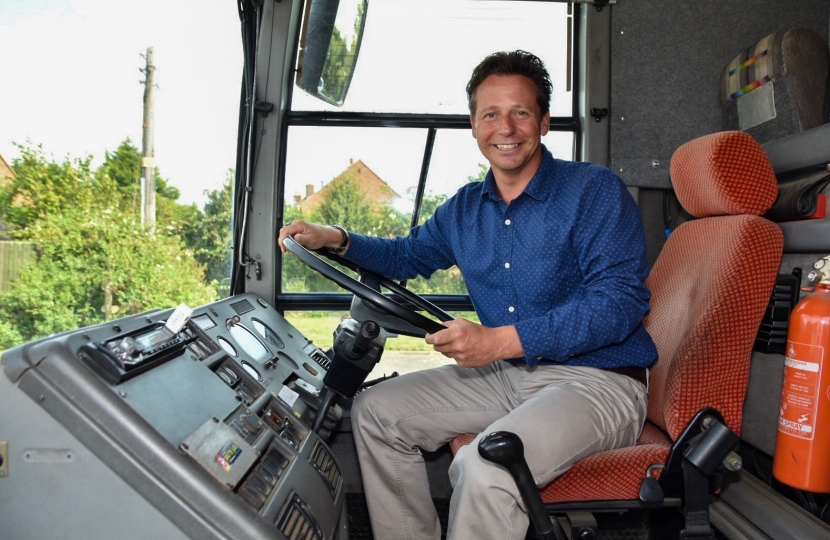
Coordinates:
666 67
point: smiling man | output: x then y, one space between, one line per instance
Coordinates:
553 256
508 124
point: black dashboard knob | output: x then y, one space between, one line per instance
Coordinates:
252 423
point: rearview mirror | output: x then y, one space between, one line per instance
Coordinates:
329 44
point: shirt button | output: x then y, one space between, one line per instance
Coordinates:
507 265
507 222
511 309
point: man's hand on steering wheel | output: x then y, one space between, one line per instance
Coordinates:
310 235
407 312
474 345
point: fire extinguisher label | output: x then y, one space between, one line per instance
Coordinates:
799 397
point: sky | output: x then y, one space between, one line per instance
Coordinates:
71 83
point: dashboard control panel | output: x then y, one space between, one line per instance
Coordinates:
211 425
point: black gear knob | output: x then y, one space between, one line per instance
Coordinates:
503 448
506 449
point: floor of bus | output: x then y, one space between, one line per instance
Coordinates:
633 525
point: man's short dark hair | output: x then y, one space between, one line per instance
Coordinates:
512 63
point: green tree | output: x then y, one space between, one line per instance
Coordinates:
9 336
45 187
123 166
296 276
96 261
347 204
339 66
208 234
93 269
481 174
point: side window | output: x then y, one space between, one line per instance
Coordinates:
365 183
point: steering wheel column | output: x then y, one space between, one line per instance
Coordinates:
359 346
356 352
357 349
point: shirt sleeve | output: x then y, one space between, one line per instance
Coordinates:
426 249
608 240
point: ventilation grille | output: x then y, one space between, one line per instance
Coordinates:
323 461
297 523
321 358
263 479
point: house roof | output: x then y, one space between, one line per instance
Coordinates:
5 170
375 189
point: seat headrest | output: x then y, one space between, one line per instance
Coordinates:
723 173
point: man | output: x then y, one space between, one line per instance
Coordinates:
553 256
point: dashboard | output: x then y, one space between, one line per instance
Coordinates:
129 429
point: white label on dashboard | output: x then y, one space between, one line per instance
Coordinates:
178 319
288 395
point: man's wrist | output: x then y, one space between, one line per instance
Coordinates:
510 345
343 244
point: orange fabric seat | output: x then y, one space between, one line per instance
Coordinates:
611 475
710 287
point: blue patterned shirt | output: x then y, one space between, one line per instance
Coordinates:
564 263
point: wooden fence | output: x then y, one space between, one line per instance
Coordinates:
13 257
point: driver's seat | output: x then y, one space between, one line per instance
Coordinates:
710 287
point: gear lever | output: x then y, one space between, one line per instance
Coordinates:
506 449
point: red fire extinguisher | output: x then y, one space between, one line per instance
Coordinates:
802 449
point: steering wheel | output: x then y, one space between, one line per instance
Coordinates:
368 294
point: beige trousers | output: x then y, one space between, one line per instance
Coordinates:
561 413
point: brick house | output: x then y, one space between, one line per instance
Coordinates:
376 191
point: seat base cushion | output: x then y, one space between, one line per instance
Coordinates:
606 476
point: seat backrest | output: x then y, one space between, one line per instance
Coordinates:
712 281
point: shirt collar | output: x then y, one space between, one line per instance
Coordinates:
539 187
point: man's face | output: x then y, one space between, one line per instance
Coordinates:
509 125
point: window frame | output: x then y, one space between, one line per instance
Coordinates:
431 122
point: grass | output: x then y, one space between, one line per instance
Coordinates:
319 326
